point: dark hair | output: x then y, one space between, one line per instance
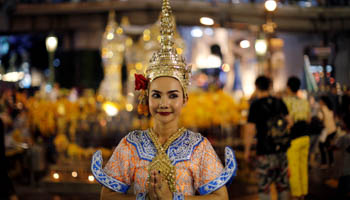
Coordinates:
327 101
294 83
263 83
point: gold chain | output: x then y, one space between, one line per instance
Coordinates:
162 162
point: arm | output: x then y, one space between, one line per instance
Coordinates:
220 194
107 194
248 136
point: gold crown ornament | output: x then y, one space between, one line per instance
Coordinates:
166 61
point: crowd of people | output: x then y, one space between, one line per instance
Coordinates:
288 130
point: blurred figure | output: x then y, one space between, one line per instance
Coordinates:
297 154
7 191
328 133
343 143
272 164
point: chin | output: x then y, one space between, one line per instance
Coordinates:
165 119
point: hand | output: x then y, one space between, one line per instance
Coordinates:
158 188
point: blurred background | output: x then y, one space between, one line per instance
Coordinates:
67 79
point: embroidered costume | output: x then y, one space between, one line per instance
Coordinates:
197 165
187 160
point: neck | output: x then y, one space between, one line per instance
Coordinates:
262 94
164 131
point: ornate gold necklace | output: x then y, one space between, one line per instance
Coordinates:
161 161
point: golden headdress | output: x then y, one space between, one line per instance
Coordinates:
166 61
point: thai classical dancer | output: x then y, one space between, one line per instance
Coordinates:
166 161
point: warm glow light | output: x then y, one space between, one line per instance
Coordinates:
138 66
91 178
270 5
244 44
206 21
13 76
56 176
51 43
110 108
260 47
129 107
225 67
119 31
110 36
179 51
74 174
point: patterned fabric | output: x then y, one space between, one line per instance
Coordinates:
195 161
101 177
178 196
225 177
272 168
299 109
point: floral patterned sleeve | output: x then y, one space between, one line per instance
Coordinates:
209 164
121 164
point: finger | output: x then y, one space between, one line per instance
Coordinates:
159 180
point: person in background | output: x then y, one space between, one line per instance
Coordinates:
272 164
297 154
7 191
328 133
343 144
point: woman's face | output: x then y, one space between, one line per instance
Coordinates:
166 99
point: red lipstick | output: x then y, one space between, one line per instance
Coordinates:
164 113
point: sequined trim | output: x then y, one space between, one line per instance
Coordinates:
180 150
226 175
103 178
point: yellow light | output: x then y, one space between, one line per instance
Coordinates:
129 107
244 44
110 36
56 176
206 21
51 43
119 31
146 32
110 108
179 51
260 47
91 178
74 174
225 67
138 66
146 37
129 42
270 5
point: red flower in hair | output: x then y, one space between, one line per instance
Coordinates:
141 82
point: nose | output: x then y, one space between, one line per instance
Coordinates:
163 102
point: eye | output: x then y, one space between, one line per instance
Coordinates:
155 95
173 96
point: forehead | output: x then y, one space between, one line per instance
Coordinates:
165 84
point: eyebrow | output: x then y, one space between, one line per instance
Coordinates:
171 91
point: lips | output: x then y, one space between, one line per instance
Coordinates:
164 113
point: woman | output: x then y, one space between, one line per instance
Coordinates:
166 161
297 154
329 132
